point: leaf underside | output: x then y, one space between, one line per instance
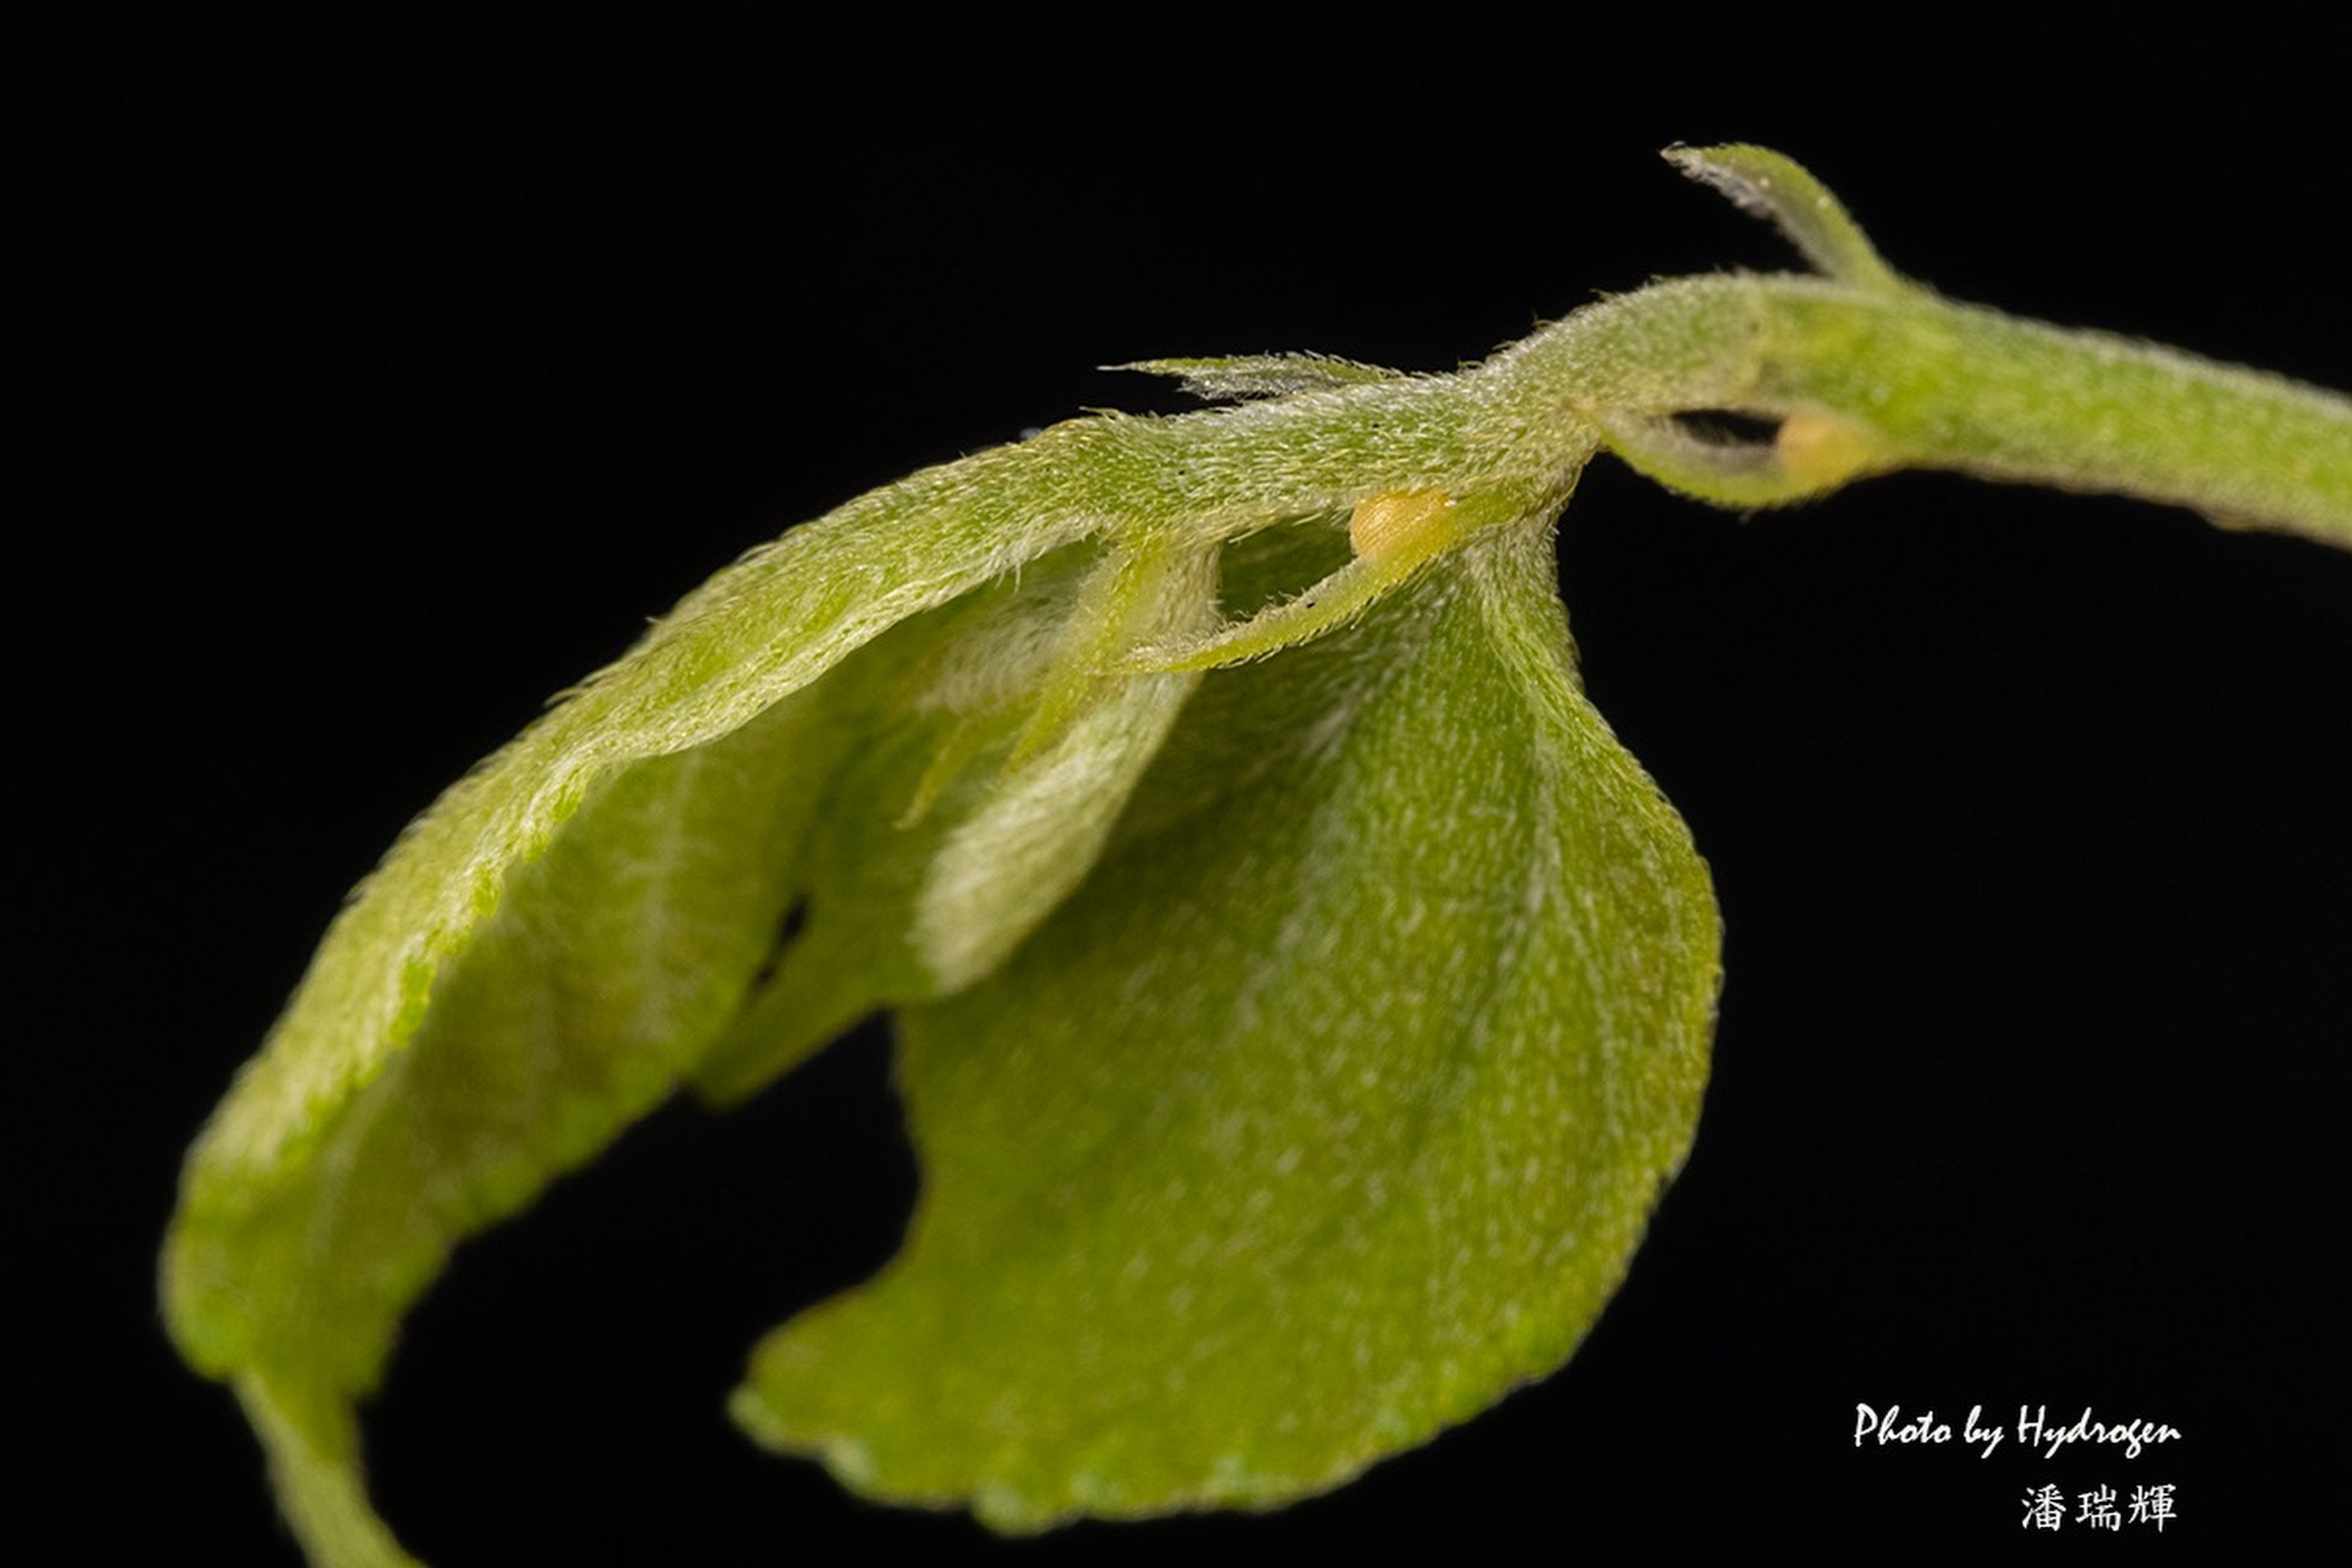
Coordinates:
1330 1108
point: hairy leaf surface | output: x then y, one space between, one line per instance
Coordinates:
1327 1111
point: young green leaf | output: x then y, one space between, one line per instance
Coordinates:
1328 1110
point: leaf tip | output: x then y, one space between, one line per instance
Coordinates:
1776 187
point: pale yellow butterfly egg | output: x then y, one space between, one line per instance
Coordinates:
1822 451
1401 524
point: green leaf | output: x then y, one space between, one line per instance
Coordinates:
747 640
994 754
1330 1109
549 951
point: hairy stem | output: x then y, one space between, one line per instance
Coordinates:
1866 380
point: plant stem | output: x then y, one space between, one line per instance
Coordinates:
1866 380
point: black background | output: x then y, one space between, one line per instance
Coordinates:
409 363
